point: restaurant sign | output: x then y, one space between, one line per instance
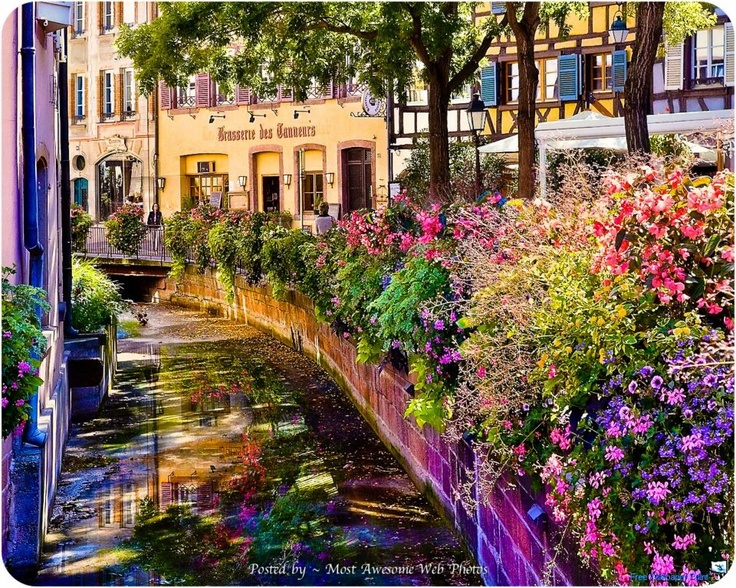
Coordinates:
281 131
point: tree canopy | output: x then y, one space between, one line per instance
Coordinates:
302 44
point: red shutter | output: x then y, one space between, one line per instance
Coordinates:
286 94
165 96
242 95
165 495
329 90
203 90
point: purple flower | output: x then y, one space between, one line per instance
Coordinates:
646 371
23 368
7 334
656 382
439 325
632 386
20 402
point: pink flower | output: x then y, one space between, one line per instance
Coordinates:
552 371
481 371
657 491
684 542
614 454
662 565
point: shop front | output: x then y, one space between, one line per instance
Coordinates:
273 157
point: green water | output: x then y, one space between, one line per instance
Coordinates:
224 458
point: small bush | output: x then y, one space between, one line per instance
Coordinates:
125 230
96 299
81 223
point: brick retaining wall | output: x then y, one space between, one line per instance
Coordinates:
510 548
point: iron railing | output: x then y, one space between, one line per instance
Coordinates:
151 248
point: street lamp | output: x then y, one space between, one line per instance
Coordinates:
618 31
161 182
477 121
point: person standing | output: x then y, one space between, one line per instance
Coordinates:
155 223
324 222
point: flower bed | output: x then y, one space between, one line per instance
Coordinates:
585 345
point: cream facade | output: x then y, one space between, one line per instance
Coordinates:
273 155
112 128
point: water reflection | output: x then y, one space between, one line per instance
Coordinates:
237 462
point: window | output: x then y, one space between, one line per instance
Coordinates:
128 93
79 18
78 98
186 96
313 190
224 96
108 16
599 72
108 94
512 82
129 12
202 186
547 79
546 87
709 50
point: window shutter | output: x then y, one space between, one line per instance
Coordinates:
673 76
165 495
202 92
118 97
72 95
618 70
101 94
568 68
328 90
286 94
242 95
488 85
165 96
730 77
498 8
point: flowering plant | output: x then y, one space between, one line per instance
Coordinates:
81 223
23 344
125 230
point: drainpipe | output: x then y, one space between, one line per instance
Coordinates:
66 196
31 433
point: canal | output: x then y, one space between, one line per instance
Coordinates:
222 457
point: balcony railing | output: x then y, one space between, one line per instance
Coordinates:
151 248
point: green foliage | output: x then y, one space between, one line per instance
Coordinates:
415 176
670 146
590 162
125 230
399 306
222 240
282 260
96 298
81 223
176 240
23 345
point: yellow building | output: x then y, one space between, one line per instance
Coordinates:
271 154
111 127
587 70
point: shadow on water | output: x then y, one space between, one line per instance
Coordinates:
236 461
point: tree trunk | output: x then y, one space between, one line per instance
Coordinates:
439 148
638 87
524 32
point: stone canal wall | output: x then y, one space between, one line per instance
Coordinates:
512 546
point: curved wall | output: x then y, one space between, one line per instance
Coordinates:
510 548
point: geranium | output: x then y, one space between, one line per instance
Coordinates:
23 343
125 230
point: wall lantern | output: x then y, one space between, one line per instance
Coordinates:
161 182
330 178
287 179
618 30
242 181
253 116
296 112
214 116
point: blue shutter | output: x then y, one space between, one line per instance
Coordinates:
618 70
488 85
498 7
568 71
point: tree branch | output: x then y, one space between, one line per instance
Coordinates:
474 62
415 39
343 30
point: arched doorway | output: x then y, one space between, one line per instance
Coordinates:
119 180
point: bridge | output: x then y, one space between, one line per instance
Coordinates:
139 274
